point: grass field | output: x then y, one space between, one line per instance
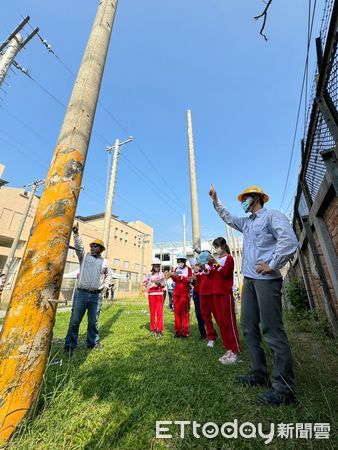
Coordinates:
111 399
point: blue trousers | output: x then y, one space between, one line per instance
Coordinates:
200 321
84 301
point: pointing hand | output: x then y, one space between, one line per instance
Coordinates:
76 228
213 193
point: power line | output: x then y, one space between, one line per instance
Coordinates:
300 103
101 105
150 184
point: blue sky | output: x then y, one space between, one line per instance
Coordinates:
165 57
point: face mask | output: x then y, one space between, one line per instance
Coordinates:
246 205
181 265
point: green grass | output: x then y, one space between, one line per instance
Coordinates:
111 399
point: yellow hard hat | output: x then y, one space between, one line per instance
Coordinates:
254 190
99 242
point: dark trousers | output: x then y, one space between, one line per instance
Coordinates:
200 321
171 299
262 306
84 301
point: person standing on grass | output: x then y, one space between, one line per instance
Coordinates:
268 244
196 279
181 275
94 280
207 301
154 283
223 300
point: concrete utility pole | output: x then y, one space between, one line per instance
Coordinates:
12 251
27 331
234 245
184 236
144 240
196 234
111 190
13 44
227 234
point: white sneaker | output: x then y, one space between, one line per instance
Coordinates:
231 358
211 344
224 357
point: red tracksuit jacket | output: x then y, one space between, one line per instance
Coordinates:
206 286
182 284
223 277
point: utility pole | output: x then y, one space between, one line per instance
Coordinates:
237 266
196 234
184 236
111 190
144 240
27 331
13 44
227 233
12 251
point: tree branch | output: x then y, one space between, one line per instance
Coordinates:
264 15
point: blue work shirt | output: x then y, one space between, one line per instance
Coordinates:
267 238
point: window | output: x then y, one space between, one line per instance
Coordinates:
136 266
116 262
133 276
126 264
157 255
166 257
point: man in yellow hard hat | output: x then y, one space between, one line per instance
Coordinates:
268 244
94 279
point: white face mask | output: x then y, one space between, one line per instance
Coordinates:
181 265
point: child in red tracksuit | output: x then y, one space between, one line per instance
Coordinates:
181 277
154 283
224 303
207 304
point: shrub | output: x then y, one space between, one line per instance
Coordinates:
296 295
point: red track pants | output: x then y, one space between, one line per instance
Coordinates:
226 321
181 312
156 312
207 309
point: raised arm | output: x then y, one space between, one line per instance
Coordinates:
233 221
79 248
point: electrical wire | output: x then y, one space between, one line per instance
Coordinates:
300 102
108 112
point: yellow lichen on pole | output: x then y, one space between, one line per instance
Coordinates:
26 335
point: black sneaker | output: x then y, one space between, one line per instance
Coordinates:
275 398
254 379
177 335
159 334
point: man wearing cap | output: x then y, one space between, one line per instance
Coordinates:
268 244
94 279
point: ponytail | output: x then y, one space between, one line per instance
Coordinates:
221 242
